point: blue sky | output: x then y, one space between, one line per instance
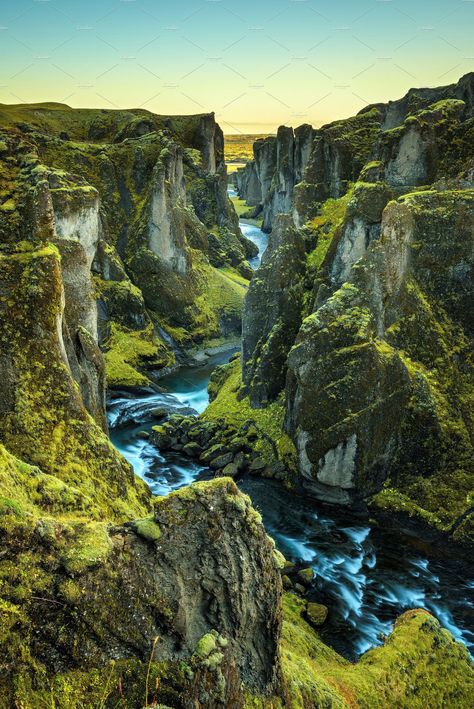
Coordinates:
256 64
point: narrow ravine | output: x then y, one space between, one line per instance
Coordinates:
367 577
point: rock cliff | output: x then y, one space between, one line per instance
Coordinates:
299 169
106 596
358 323
145 197
140 617
279 163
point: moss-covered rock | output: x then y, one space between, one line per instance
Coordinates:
43 419
90 595
380 375
272 313
388 357
419 665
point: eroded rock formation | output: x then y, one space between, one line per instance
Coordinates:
377 262
145 199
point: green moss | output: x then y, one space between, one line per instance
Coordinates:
326 224
420 665
446 109
8 206
92 545
222 299
279 559
235 409
116 684
147 528
235 276
206 645
73 464
126 351
391 500
240 205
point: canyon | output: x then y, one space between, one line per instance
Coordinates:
338 362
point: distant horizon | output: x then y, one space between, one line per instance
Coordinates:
245 128
256 66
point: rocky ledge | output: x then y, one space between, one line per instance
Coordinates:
188 595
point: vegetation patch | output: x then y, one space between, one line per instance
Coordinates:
127 351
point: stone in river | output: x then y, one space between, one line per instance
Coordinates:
231 470
221 461
305 576
192 449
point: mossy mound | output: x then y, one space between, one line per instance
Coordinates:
420 665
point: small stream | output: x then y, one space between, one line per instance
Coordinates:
366 576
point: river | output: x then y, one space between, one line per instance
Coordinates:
365 575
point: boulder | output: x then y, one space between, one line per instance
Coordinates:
316 614
192 449
221 461
305 576
231 470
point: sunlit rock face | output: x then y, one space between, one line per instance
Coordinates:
279 164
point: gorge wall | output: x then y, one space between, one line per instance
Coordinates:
358 324
145 196
101 247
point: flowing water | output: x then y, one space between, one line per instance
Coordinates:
366 576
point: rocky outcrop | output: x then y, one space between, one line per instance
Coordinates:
395 112
97 595
272 312
298 171
376 382
248 184
340 150
359 367
279 163
361 226
205 622
429 144
44 420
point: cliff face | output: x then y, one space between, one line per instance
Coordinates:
377 261
279 163
145 197
105 596
299 169
204 624
113 228
373 391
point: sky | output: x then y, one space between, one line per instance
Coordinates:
257 64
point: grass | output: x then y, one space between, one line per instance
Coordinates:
127 350
237 412
239 147
240 206
332 214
